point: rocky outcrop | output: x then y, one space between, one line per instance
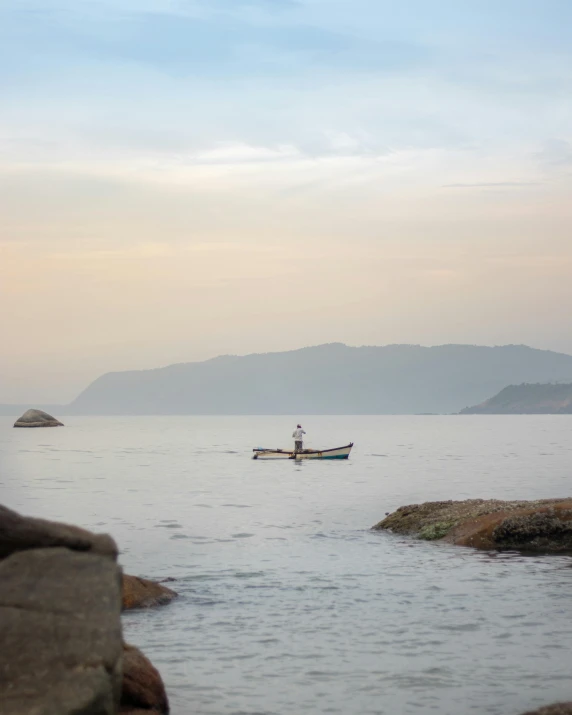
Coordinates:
37 418
557 709
141 593
542 526
60 604
143 689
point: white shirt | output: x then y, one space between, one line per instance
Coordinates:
298 434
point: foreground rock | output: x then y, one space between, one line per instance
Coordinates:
557 709
143 688
60 631
141 593
542 526
60 605
37 418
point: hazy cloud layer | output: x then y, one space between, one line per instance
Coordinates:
179 179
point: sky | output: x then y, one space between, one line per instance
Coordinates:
186 178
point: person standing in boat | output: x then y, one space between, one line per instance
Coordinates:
298 438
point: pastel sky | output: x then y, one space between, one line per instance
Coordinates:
184 178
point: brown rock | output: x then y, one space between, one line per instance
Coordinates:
37 418
18 533
60 631
541 526
141 593
143 689
557 709
545 528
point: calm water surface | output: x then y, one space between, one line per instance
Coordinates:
289 603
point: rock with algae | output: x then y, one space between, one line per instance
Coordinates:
438 530
542 526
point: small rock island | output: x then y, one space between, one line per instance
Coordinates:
543 526
37 418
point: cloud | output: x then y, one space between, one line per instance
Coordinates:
241 153
555 154
492 184
169 80
190 39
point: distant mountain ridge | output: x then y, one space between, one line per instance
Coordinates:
325 379
527 399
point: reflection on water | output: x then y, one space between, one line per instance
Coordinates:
288 602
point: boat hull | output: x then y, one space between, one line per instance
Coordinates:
336 453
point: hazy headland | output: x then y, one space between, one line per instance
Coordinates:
527 399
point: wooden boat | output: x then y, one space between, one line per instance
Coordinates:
336 453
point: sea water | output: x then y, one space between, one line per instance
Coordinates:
289 603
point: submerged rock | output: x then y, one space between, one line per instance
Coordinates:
37 418
143 689
141 593
542 526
